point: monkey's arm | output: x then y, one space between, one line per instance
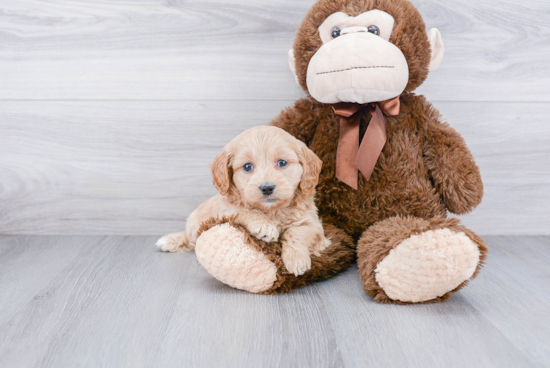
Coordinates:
298 120
451 165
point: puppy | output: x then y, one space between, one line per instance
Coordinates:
266 178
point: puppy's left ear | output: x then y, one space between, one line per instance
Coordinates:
312 168
221 172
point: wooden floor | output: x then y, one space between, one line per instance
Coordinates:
113 301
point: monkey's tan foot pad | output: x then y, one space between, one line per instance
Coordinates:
427 265
224 252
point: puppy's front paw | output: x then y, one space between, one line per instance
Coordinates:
296 261
320 245
264 231
173 243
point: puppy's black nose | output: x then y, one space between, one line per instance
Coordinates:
267 189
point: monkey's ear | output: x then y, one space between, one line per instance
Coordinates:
221 173
436 45
292 64
312 168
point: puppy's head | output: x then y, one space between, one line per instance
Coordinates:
265 167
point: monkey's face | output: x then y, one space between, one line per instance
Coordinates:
352 51
357 63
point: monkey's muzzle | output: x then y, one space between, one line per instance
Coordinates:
357 67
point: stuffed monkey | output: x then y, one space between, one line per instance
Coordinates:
392 169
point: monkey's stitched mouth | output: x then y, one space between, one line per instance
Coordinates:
358 67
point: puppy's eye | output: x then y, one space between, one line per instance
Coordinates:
374 30
282 163
248 167
335 32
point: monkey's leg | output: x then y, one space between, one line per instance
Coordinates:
412 260
229 254
233 256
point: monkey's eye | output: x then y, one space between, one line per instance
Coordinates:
374 30
335 32
248 167
282 163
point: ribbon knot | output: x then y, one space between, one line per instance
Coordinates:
351 156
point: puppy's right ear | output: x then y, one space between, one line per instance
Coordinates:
221 173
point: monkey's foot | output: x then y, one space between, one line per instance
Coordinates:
226 253
423 261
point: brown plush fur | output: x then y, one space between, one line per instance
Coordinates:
425 168
334 259
377 242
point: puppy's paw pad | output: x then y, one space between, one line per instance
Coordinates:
296 263
264 231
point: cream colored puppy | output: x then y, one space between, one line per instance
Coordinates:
266 178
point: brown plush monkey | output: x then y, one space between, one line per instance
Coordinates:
391 168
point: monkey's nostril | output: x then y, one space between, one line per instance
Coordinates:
267 189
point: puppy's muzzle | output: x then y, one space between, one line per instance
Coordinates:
267 188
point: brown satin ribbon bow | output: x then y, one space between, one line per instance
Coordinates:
350 156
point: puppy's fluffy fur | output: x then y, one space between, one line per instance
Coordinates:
287 215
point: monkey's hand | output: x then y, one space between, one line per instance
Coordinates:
451 165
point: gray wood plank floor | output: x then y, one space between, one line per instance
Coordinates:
114 301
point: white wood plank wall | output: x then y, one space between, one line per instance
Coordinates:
110 112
